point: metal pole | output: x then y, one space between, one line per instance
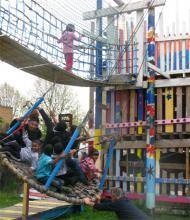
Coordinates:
150 148
98 112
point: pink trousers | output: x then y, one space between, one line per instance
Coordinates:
69 61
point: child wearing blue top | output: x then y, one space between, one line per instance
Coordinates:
45 165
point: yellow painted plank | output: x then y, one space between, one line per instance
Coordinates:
169 108
2 211
6 218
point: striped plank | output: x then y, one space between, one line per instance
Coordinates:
132 110
179 107
187 126
159 109
169 108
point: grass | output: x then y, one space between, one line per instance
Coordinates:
9 194
90 214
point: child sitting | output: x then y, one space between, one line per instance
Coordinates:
70 172
45 166
88 167
28 154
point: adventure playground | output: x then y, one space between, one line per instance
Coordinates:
129 157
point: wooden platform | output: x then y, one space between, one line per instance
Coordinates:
39 209
23 58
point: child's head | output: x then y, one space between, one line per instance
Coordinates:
94 154
61 126
56 139
33 123
70 28
48 149
58 148
36 145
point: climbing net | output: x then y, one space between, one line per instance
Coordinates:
34 26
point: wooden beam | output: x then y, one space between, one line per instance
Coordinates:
156 69
164 143
126 8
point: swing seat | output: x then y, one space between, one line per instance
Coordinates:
72 194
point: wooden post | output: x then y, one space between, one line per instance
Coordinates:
25 201
150 149
159 109
187 174
179 107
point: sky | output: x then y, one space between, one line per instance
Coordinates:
24 82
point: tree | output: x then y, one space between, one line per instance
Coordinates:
59 99
10 97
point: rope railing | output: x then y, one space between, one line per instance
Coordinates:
35 28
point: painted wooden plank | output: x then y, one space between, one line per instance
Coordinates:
117 166
179 107
162 57
187 126
169 108
172 55
175 55
180 54
132 110
140 108
118 109
165 56
164 186
187 170
112 131
121 51
172 186
180 187
159 109
124 109
187 57
183 54
124 182
108 109
25 207
157 189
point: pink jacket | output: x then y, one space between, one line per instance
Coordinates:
67 39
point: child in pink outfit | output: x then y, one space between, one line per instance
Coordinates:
67 38
88 167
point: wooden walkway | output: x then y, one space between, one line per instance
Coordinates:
37 209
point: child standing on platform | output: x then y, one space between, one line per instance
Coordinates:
67 38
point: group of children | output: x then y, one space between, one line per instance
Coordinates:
27 146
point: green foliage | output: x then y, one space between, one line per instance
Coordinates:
8 198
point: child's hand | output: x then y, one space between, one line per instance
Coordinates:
72 152
62 155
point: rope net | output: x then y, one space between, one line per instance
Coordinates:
37 26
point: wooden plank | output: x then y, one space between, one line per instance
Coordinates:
126 8
25 203
112 131
124 109
140 52
159 109
132 110
157 170
179 107
117 166
187 126
163 143
163 185
187 171
180 187
172 186
169 108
